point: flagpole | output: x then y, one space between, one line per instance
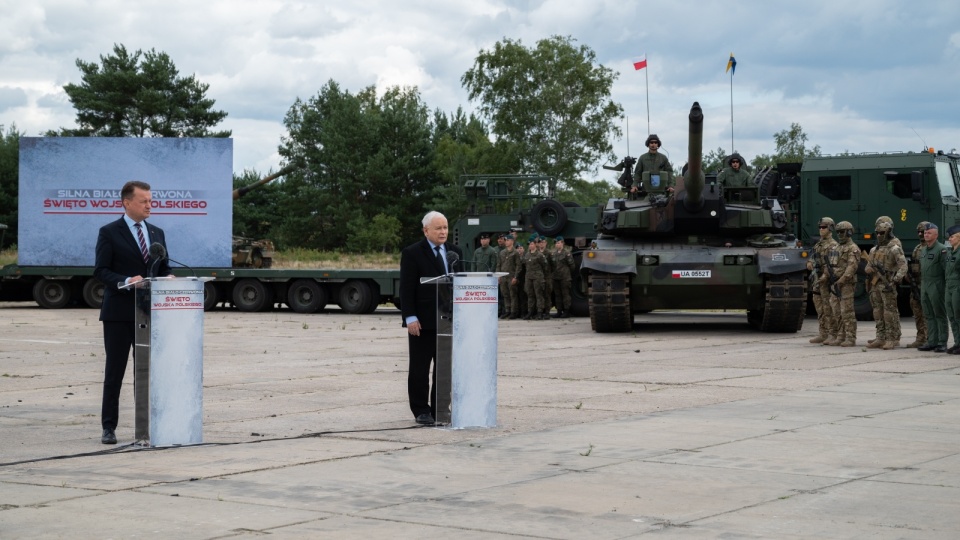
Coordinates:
646 77
732 150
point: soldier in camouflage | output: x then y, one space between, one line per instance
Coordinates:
534 265
653 162
509 262
562 277
874 290
826 320
932 283
913 278
734 175
886 268
844 260
547 274
485 256
952 280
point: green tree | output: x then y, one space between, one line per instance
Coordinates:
358 156
382 233
140 95
791 148
552 102
9 182
257 212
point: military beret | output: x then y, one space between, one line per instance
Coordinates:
931 226
953 230
484 235
508 237
532 240
559 239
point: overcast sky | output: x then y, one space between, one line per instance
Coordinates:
858 75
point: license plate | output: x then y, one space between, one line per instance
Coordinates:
691 273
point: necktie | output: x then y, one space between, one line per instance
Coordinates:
143 244
443 263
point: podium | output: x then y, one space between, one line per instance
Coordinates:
168 360
466 362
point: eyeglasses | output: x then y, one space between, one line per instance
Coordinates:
824 226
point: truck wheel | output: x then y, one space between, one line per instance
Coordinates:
52 293
93 293
211 296
549 217
355 297
251 295
307 296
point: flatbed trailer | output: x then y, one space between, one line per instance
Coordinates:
304 290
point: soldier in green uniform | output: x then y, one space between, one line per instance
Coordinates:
485 257
931 289
547 275
887 267
534 264
952 281
913 277
734 175
653 162
563 269
509 262
874 285
826 320
844 260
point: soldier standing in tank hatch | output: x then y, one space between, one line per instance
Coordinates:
913 278
562 278
653 162
888 266
931 289
734 175
952 281
826 319
844 260
874 285
509 263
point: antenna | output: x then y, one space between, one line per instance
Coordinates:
921 139
628 135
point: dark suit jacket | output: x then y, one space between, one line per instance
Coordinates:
119 257
417 261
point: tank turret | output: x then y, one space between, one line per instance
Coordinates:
249 252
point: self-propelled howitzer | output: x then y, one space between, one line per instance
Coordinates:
695 245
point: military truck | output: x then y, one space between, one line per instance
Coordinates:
909 187
697 245
523 204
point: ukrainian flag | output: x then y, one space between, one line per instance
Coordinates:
731 65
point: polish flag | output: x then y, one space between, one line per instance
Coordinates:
640 62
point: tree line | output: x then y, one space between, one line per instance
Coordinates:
367 165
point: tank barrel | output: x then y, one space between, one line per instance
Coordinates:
240 192
693 181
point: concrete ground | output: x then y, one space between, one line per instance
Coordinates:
691 426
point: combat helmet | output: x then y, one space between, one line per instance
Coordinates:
844 229
828 222
883 230
922 226
884 219
653 138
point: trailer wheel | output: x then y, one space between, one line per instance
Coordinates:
251 295
211 296
93 293
355 297
52 293
307 296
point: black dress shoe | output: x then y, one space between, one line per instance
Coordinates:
940 349
425 419
926 347
108 437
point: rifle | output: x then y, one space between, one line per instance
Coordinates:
834 286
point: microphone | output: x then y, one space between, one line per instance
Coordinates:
157 253
452 260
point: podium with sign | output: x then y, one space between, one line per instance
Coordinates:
466 362
168 366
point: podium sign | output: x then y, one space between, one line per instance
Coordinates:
168 373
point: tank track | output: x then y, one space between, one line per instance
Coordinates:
785 304
609 303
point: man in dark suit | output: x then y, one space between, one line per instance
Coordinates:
123 257
418 307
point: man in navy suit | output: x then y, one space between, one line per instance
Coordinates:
123 257
418 307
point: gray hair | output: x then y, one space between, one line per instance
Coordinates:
430 216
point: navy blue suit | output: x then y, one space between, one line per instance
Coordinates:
417 261
118 257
